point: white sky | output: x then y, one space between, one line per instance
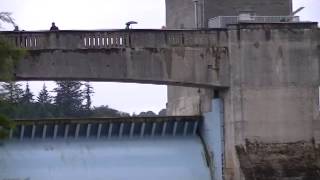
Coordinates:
111 14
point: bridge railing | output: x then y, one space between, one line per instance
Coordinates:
37 40
107 128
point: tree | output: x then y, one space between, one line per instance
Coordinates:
162 112
147 114
12 92
2 93
105 111
88 91
6 18
45 108
5 126
44 97
9 56
68 99
27 96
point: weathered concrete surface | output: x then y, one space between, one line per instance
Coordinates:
156 66
298 161
272 108
272 101
188 100
180 15
189 58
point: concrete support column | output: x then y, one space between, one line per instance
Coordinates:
212 132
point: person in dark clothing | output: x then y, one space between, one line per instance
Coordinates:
128 24
54 27
16 28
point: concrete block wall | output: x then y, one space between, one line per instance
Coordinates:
180 15
188 100
271 110
272 106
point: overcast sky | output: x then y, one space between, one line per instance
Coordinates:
111 14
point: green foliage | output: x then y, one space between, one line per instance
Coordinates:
27 96
88 91
12 92
72 99
44 97
5 126
9 57
6 18
9 54
69 98
147 114
105 111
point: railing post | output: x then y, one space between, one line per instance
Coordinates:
99 131
132 129
185 128
55 131
44 131
110 130
22 132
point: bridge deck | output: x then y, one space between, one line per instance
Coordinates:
173 57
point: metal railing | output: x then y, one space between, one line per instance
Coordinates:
97 128
223 21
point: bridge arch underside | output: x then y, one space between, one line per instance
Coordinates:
179 66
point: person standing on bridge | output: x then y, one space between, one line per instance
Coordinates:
16 28
54 27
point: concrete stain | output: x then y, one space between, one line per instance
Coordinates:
152 50
105 51
263 161
268 34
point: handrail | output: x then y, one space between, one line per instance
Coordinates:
107 39
223 21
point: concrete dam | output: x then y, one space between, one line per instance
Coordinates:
100 148
251 86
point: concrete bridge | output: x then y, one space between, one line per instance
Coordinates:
176 57
256 85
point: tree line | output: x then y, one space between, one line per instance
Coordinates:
70 99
